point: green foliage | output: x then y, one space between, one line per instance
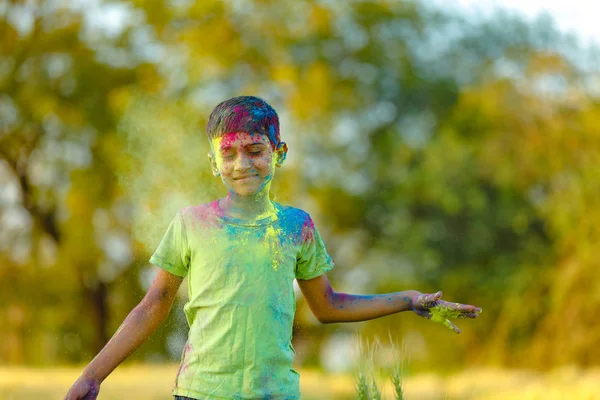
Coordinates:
362 387
367 368
365 376
399 368
59 106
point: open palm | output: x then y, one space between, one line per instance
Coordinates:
432 307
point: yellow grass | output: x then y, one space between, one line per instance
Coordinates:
149 382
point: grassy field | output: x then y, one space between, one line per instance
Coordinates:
145 382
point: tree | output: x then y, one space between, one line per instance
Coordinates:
62 81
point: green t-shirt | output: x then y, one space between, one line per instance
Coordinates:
241 298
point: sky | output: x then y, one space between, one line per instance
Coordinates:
576 16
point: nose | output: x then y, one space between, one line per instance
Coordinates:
243 162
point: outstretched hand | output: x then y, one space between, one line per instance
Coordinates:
431 306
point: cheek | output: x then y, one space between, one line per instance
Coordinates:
265 162
225 166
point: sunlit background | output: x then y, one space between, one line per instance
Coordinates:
449 145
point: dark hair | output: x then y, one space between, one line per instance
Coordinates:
248 114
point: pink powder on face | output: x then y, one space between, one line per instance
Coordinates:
228 139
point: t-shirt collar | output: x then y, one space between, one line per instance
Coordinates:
245 222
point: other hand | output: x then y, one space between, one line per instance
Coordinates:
83 389
432 307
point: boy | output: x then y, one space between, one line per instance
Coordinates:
241 254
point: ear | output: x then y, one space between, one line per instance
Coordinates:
213 164
281 154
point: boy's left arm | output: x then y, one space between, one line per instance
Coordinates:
329 306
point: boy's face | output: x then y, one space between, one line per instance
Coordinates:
245 162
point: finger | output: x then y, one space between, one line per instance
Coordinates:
431 300
468 315
459 306
433 297
451 326
91 395
470 308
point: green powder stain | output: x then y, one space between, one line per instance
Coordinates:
441 314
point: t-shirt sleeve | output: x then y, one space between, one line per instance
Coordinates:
173 253
313 260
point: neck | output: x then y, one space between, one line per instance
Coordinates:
256 206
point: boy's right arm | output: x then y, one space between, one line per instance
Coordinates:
137 327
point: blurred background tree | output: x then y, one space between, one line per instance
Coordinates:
434 151
67 260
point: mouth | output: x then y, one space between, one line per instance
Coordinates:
242 178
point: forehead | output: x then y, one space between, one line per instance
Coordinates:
238 139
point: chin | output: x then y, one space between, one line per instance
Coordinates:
245 191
